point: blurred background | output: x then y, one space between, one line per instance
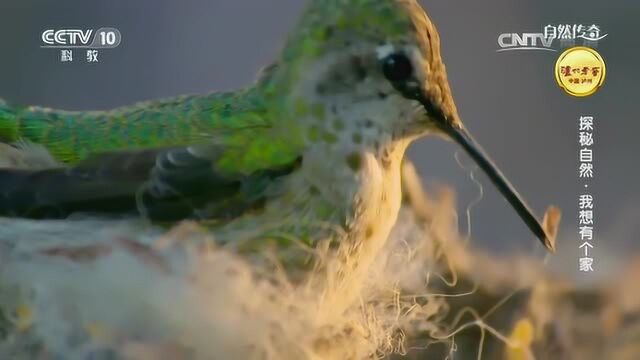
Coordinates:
509 100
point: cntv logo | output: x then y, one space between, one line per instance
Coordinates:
70 38
525 41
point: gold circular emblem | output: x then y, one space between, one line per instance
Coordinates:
580 71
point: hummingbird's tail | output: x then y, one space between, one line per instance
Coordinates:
9 131
27 124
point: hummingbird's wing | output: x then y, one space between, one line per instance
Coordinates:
214 181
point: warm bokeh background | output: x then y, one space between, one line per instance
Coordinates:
509 100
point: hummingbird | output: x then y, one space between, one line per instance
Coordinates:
317 142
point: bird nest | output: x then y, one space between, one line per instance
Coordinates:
91 288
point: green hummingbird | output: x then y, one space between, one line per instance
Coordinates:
316 142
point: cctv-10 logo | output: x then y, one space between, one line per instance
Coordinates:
105 38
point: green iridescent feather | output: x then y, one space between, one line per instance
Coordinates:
236 120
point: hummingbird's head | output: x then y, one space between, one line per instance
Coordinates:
370 72
376 56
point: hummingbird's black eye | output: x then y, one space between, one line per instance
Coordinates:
397 68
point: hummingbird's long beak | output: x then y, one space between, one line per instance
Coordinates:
461 136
